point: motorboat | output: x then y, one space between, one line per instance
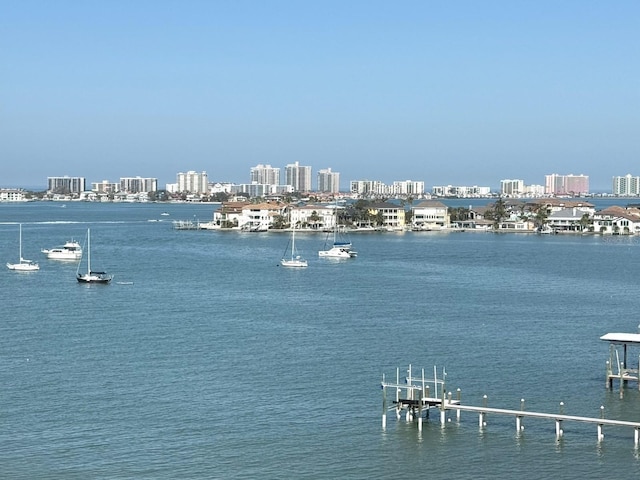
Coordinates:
71 250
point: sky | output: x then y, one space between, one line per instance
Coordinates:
446 92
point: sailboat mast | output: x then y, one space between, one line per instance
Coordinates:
20 238
88 250
335 223
293 242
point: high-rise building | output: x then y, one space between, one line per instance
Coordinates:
105 186
299 177
138 184
566 184
626 186
513 188
368 188
328 181
193 182
408 187
65 185
265 174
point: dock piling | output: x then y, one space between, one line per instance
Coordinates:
519 426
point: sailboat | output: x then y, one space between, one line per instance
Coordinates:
91 276
295 260
23 265
337 249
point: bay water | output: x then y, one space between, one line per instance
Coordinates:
205 359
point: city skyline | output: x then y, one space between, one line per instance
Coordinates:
462 94
545 185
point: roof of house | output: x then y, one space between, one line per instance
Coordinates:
430 204
560 202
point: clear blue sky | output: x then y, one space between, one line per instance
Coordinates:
448 92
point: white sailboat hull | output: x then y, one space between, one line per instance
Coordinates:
294 263
23 266
337 252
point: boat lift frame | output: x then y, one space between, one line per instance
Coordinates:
413 396
618 367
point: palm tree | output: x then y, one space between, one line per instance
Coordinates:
585 221
314 218
541 215
278 222
497 213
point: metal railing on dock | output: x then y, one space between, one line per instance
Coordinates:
417 400
186 224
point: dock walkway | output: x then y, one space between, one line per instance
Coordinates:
415 399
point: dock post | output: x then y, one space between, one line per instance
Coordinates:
420 411
398 406
519 426
559 431
443 410
409 415
458 397
600 433
636 436
608 381
384 404
481 415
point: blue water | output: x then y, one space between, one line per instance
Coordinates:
217 363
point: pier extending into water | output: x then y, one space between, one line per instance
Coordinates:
413 397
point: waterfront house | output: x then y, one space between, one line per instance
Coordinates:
229 215
12 195
518 225
258 217
557 204
429 215
314 217
617 220
569 219
391 215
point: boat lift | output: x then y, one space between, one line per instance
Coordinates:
414 397
417 397
618 367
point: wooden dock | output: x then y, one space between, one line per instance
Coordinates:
415 398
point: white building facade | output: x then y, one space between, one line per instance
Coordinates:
193 182
460 191
512 188
298 177
408 188
66 185
328 181
627 186
264 174
138 184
